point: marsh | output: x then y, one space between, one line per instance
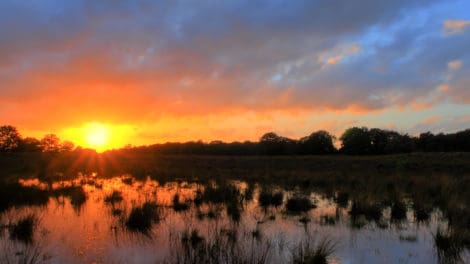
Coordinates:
277 210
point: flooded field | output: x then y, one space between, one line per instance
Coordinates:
125 220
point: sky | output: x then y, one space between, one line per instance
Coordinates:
157 71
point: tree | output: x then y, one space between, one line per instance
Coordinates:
272 144
30 144
320 142
9 138
66 146
50 143
379 140
356 140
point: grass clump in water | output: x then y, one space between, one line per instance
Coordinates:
449 246
298 204
370 210
221 194
23 230
142 217
267 198
179 206
76 194
114 197
192 239
314 254
398 211
15 194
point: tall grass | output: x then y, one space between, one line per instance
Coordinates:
308 252
141 218
449 246
23 230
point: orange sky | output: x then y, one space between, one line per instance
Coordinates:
142 72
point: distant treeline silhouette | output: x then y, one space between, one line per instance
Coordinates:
354 141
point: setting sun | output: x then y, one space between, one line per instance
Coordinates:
96 135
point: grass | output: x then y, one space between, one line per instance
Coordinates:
399 210
299 204
310 253
192 238
142 217
17 195
268 198
23 230
449 246
369 209
220 194
179 206
114 197
76 194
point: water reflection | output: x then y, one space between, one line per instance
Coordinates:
121 219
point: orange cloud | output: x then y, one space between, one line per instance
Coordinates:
443 87
454 65
342 52
432 119
452 27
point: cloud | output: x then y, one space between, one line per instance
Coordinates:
444 87
338 54
142 61
452 27
454 65
442 124
432 119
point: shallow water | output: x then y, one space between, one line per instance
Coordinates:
96 231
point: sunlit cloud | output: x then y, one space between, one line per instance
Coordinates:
454 65
142 63
432 119
444 87
455 26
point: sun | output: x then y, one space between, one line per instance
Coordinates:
99 136
96 135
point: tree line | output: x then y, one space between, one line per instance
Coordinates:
12 141
354 141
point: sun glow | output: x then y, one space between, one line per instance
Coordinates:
98 136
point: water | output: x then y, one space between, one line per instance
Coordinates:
97 231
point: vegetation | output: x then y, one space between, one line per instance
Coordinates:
268 198
114 197
76 194
142 217
15 194
449 246
178 205
23 230
311 253
354 141
299 204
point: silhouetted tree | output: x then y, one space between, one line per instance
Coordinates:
356 140
272 144
30 144
9 138
50 143
66 146
426 141
462 140
320 142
